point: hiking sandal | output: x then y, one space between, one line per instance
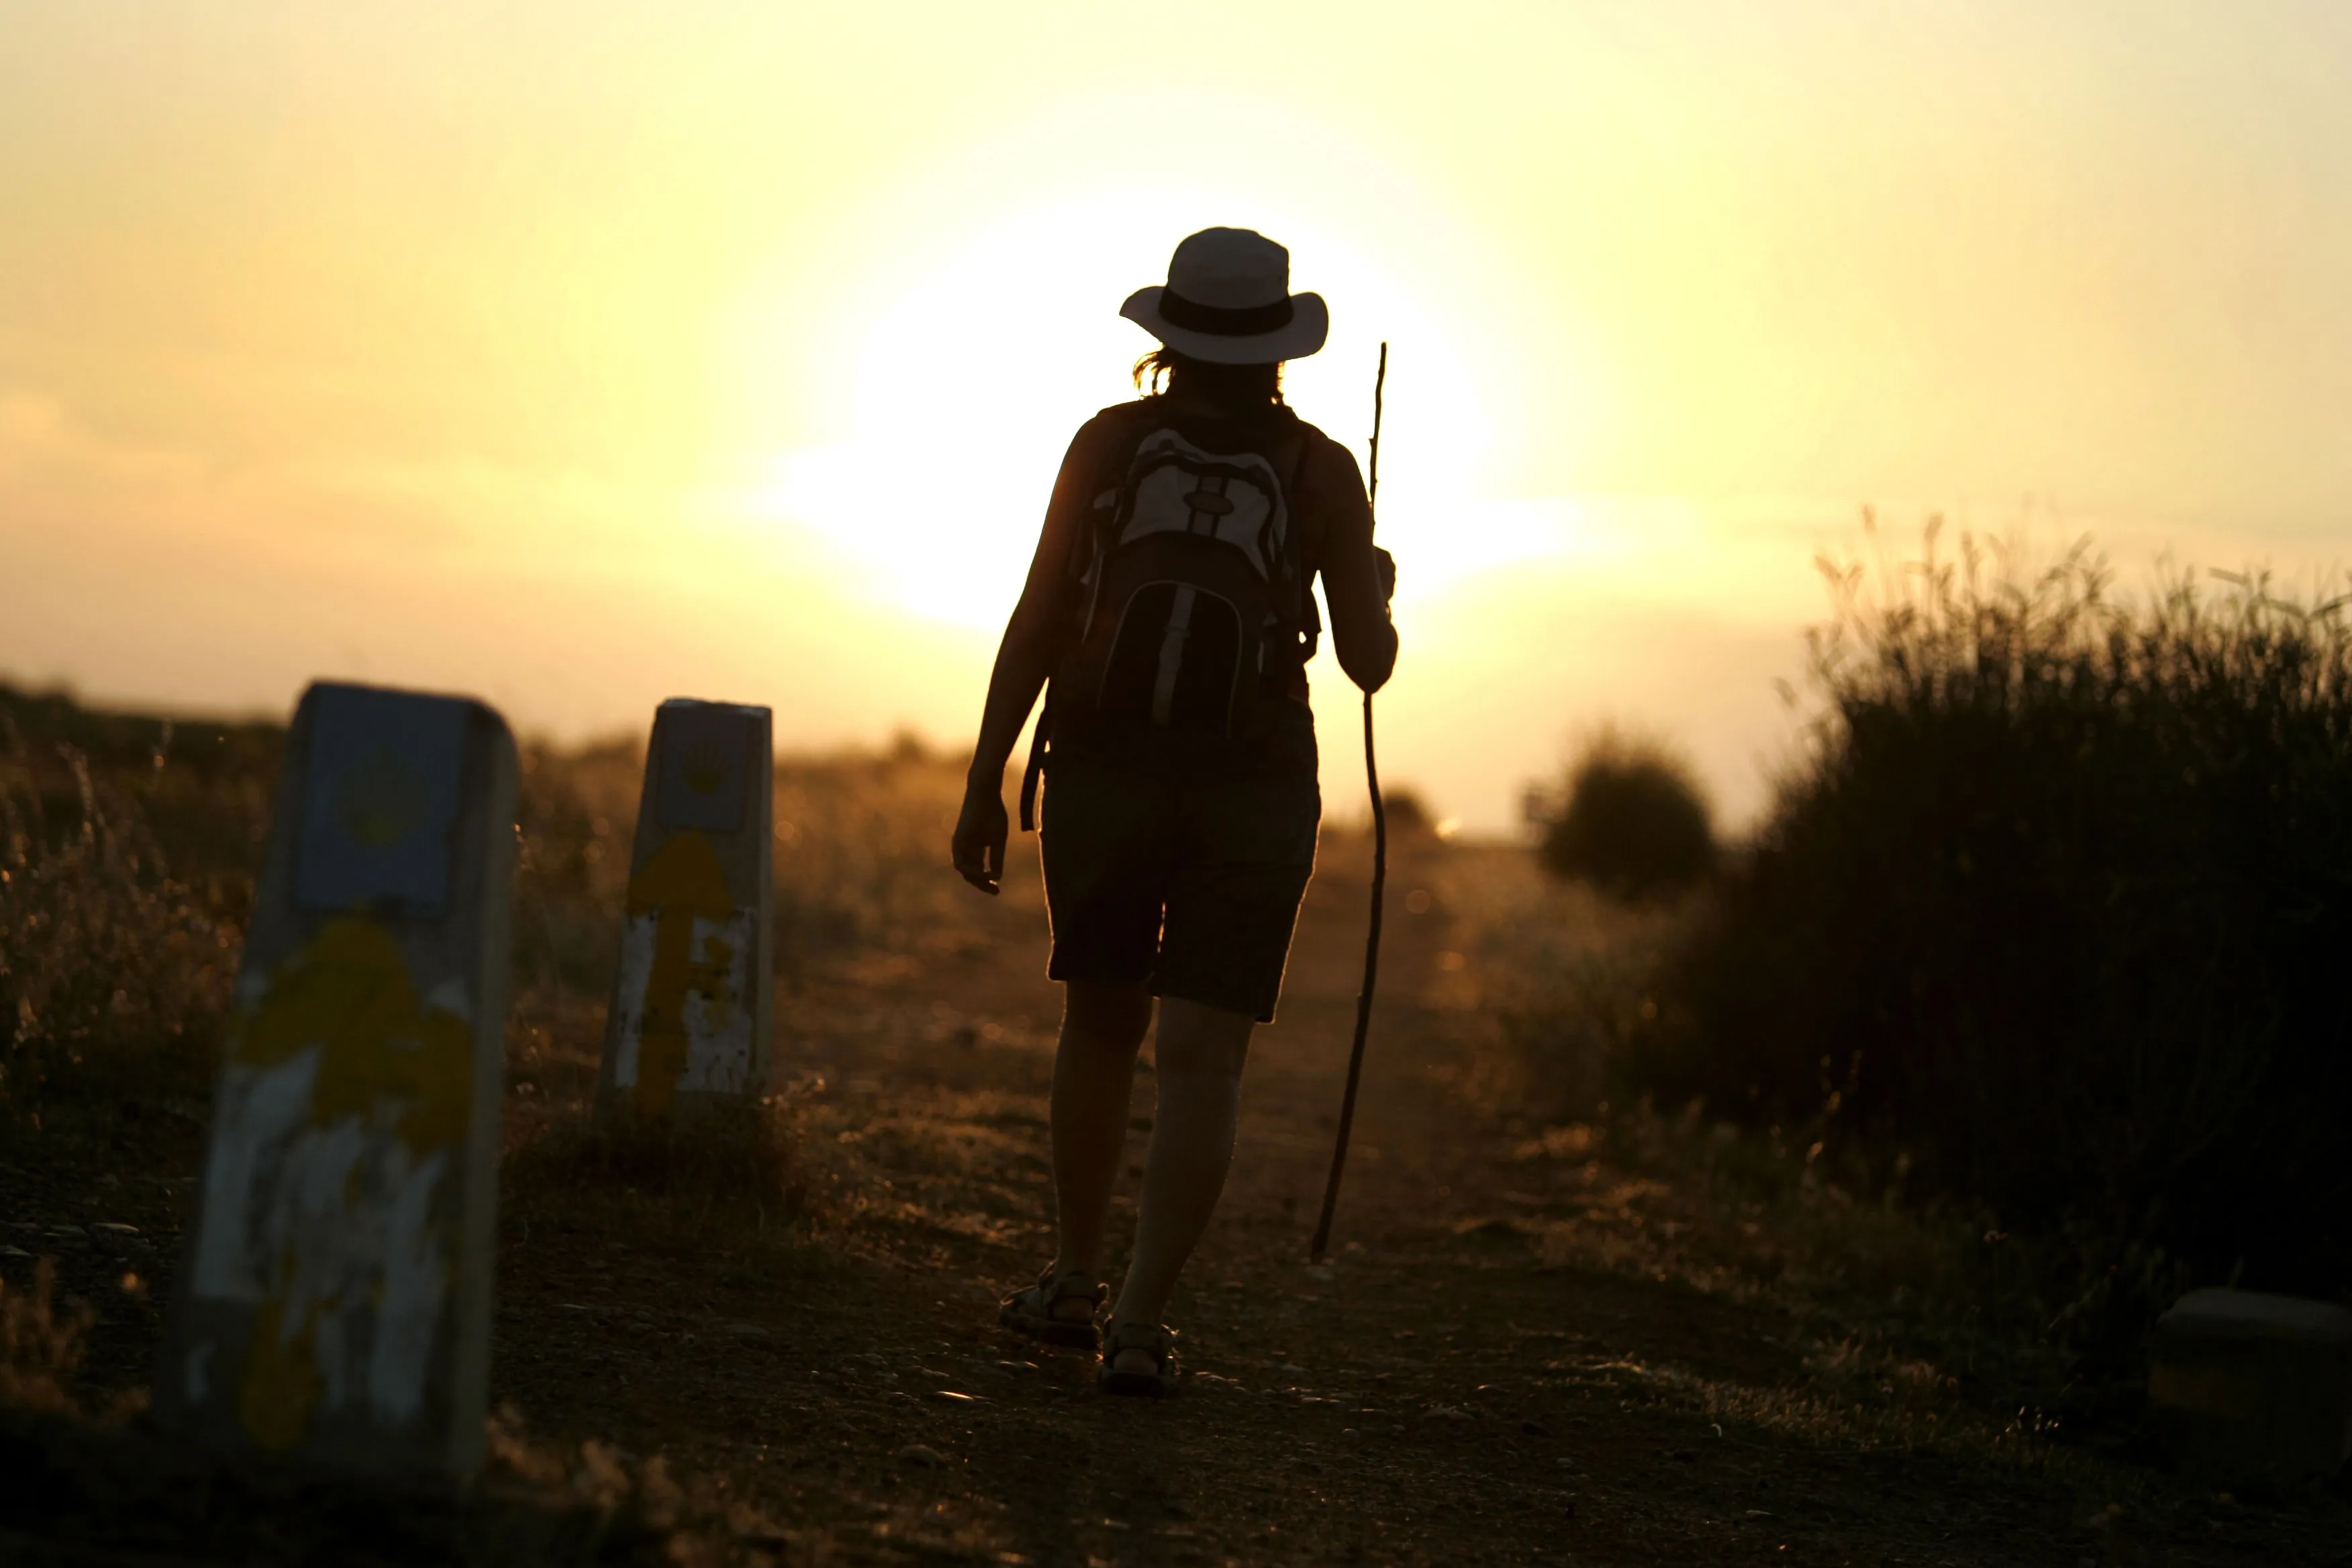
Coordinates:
1031 1311
1159 1340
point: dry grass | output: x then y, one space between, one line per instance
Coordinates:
115 965
860 840
1562 977
730 1169
41 1341
634 1507
1924 1325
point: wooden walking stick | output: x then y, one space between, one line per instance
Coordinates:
1379 884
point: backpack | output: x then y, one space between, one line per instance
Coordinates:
1193 606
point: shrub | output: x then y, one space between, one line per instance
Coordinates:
2053 914
1411 819
1634 822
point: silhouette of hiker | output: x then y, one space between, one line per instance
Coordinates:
1169 605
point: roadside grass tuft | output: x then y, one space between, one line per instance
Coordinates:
728 1164
41 1341
115 962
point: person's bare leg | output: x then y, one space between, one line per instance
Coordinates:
1103 1026
1199 1061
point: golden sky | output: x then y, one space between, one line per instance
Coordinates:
583 354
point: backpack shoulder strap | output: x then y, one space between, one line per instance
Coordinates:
1134 424
1306 619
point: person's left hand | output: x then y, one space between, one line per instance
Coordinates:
981 830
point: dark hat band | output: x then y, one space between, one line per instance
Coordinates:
1250 322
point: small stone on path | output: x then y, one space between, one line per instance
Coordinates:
924 1457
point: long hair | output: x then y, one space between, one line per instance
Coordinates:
1231 385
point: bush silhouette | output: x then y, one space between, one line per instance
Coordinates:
2053 915
1633 822
1409 815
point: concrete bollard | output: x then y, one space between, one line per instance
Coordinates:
691 1010
334 1299
2253 1386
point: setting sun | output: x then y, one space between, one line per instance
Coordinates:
957 393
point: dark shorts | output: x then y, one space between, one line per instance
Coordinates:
1191 881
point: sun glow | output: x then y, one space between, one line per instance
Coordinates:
959 390
578 357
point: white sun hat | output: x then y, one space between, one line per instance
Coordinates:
1228 301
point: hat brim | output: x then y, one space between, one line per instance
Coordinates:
1310 325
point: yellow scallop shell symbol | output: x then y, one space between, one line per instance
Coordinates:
379 801
704 769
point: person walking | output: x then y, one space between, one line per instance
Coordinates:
1169 605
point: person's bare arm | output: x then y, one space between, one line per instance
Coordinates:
1025 660
1355 585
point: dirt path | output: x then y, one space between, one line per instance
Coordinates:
1439 1392
1486 1371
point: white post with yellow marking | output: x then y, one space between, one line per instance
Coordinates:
333 1300
691 1007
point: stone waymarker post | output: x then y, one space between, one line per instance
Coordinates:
2249 1385
333 1300
689 1020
